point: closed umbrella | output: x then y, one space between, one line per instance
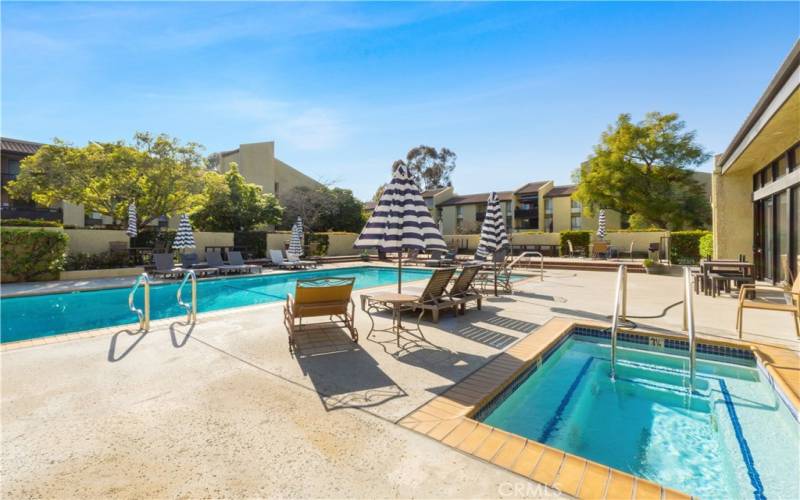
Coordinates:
601 225
184 238
296 243
401 221
494 237
133 230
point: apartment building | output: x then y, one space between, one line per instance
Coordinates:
257 163
536 206
756 180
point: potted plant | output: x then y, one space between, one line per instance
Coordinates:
365 256
653 267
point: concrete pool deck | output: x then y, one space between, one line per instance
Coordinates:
221 409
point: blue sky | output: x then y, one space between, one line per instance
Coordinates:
520 91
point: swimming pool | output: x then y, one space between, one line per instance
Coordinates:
37 316
734 438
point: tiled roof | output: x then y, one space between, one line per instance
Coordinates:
558 191
19 146
432 192
229 152
530 188
469 199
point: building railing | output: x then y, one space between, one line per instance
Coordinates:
525 212
11 212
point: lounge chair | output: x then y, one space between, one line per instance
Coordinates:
165 266
792 304
236 259
434 297
629 252
573 251
215 260
316 297
284 263
440 259
191 261
600 249
463 290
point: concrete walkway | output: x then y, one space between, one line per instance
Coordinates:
222 409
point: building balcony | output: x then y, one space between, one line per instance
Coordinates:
523 213
35 213
479 216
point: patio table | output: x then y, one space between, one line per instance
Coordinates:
396 303
724 270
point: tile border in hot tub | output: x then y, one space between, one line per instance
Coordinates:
454 417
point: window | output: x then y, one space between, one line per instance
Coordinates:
548 206
459 212
575 206
575 222
783 166
277 188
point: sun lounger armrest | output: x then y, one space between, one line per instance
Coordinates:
290 303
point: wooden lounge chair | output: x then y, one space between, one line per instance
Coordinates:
463 290
792 304
316 297
165 266
236 259
215 260
277 258
434 297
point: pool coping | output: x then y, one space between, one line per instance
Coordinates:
449 417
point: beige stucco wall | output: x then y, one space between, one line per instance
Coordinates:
93 241
289 178
641 239
73 215
101 273
204 239
338 243
256 163
732 214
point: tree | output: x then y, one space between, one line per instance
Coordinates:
645 169
323 209
231 204
429 167
159 174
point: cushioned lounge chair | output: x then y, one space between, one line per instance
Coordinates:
191 261
316 297
215 260
277 258
236 259
165 266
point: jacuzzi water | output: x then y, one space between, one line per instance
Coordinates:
734 438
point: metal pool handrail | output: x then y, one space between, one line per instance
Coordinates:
530 254
620 299
688 323
144 316
191 308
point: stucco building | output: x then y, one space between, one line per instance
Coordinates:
756 180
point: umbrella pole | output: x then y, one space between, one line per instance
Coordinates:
400 271
495 275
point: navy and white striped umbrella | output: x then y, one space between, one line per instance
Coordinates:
493 230
132 223
295 250
601 225
184 238
401 221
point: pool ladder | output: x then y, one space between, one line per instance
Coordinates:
620 312
191 307
143 315
530 254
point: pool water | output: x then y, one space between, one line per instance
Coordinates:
42 315
734 438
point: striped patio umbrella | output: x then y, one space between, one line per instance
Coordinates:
296 243
401 221
493 230
601 225
132 223
184 238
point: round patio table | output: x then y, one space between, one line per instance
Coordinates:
394 302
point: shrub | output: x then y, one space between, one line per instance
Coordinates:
578 239
32 254
30 223
255 242
684 246
317 243
707 246
158 239
87 262
648 262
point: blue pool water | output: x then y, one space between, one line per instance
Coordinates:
43 315
733 439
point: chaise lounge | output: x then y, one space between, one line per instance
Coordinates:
316 297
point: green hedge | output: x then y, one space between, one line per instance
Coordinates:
254 241
87 261
317 243
30 223
32 254
707 246
160 240
684 246
578 239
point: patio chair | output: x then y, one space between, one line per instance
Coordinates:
316 297
600 249
440 259
574 251
165 266
463 291
486 277
629 252
236 259
215 260
792 304
434 297
283 263
191 261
